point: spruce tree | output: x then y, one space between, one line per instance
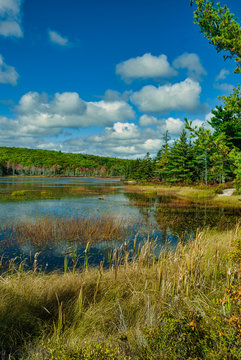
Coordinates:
181 166
162 159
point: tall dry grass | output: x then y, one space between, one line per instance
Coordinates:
116 306
82 229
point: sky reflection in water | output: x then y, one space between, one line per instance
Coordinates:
70 197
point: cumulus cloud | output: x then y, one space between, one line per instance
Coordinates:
147 120
120 140
112 95
58 39
183 96
146 66
10 18
223 74
192 63
8 74
38 115
172 125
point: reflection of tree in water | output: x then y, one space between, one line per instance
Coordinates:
148 199
181 216
186 220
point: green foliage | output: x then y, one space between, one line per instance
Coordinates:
228 122
221 28
141 170
162 159
223 31
58 351
18 193
20 161
180 167
177 337
235 156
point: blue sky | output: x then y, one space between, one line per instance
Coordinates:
105 77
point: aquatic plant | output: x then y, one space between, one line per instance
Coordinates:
55 230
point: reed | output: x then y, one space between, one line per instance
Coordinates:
80 230
147 308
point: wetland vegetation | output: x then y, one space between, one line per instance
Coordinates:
183 303
107 272
91 269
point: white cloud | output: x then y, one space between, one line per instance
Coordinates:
183 96
203 123
112 95
146 66
121 140
224 87
223 74
172 125
192 63
8 74
38 115
10 18
58 39
147 120
68 103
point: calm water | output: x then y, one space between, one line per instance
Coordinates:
164 219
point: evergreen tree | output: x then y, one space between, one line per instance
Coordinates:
181 161
162 159
147 168
227 122
202 153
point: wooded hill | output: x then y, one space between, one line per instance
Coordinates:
21 161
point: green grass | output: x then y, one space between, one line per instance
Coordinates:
201 194
18 193
185 304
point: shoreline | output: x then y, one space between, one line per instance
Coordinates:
208 194
62 177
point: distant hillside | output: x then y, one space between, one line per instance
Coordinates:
21 161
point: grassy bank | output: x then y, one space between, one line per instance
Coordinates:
199 194
183 305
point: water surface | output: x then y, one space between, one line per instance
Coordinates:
164 219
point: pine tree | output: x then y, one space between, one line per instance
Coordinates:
162 159
181 165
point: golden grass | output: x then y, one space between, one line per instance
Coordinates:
106 305
81 230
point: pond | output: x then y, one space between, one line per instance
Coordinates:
50 221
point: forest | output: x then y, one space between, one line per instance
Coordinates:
22 161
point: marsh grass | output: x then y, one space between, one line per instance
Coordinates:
55 230
173 306
204 195
18 193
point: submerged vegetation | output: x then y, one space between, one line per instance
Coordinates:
181 304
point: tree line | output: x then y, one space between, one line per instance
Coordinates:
22 161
